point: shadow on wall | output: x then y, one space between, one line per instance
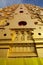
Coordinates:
4 3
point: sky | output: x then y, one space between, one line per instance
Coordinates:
4 3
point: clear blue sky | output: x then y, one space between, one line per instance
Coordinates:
4 3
